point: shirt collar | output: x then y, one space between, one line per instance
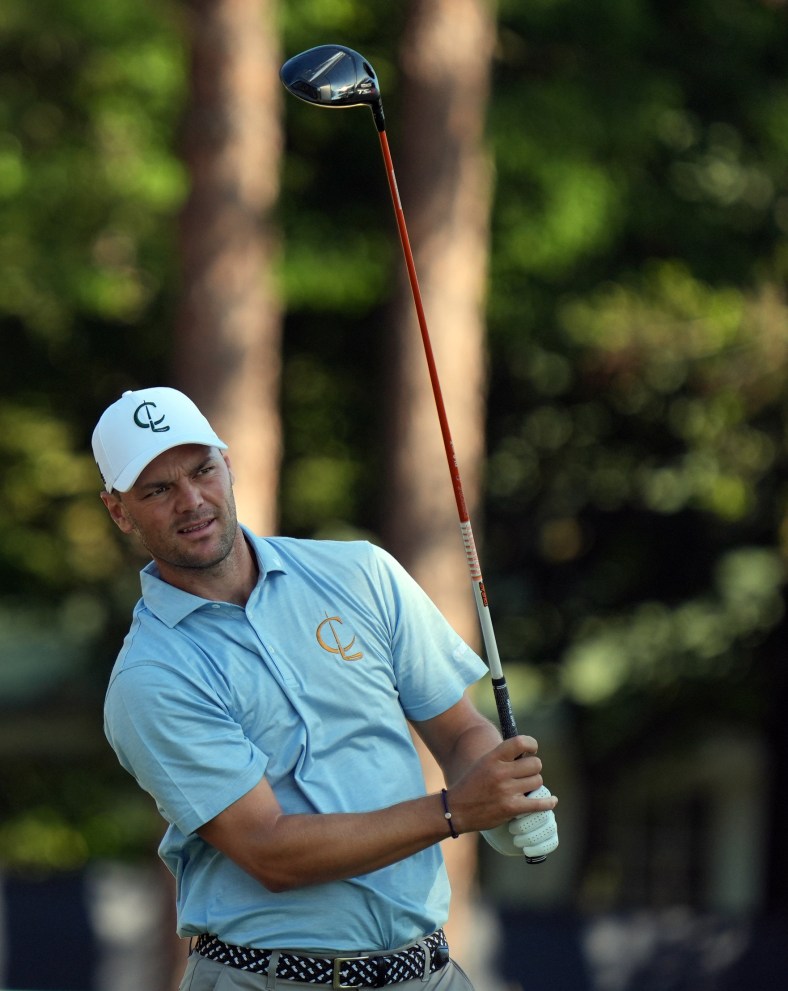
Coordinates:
172 605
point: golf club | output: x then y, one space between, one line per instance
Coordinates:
336 76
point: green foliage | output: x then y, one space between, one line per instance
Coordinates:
49 489
638 321
340 250
87 169
704 638
90 182
61 812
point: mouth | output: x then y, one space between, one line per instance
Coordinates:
195 528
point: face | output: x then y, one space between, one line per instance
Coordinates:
181 508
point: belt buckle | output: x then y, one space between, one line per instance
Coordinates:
338 961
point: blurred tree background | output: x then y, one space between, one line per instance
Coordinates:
635 493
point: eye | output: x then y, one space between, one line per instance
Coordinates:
157 491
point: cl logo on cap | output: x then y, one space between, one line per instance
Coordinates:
150 423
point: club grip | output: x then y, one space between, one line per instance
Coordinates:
503 704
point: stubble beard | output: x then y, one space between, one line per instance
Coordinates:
167 551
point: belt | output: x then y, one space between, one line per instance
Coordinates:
365 970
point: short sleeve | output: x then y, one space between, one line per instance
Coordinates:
433 664
180 743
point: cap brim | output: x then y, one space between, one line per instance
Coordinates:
129 475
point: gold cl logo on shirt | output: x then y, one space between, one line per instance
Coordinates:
343 651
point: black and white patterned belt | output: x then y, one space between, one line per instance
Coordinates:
365 970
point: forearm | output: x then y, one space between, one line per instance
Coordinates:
292 851
472 744
457 738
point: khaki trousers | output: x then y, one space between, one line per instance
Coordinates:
207 975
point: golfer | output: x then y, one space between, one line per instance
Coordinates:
264 697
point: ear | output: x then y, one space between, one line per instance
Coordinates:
117 511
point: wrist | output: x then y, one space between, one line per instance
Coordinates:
447 814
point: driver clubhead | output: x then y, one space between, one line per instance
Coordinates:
331 76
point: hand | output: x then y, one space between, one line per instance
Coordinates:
498 787
533 834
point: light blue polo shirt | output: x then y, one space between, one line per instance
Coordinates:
310 685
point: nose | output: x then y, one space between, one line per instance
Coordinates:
189 497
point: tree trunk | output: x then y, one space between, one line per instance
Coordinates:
444 181
228 326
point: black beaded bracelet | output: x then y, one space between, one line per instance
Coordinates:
447 814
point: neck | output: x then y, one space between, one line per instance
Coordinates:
231 580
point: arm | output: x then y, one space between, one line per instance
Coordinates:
290 851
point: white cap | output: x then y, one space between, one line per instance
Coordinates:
142 425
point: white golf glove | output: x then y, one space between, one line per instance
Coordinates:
532 835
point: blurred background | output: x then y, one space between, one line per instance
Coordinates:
597 198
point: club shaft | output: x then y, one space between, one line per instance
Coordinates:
503 702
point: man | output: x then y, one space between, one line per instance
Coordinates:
263 697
